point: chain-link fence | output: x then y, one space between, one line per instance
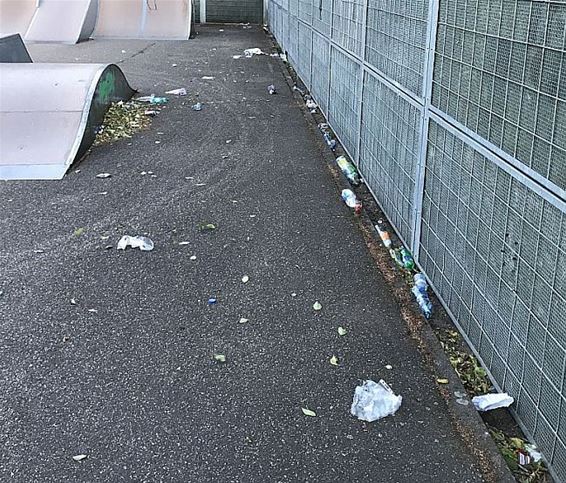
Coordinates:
455 113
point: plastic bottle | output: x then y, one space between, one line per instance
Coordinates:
352 201
327 136
153 99
348 170
403 258
420 292
271 89
383 234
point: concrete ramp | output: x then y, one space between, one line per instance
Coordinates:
12 49
15 16
50 113
64 21
144 19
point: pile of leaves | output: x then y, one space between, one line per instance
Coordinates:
510 447
473 375
122 120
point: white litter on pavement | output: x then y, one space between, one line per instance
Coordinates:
374 400
141 242
178 92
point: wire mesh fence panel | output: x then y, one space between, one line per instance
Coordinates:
320 70
322 16
305 48
305 11
390 138
396 40
344 99
294 7
501 71
496 253
347 25
293 44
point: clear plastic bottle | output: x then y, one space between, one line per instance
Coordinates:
349 170
420 292
352 201
383 234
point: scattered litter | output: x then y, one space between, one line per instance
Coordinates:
334 360
66 338
441 380
206 226
193 257
77 171
487 402
462 401
173 65
293 294
153 99
325 130
271 89
104 175
157 142
374 400
388 367
383 234
79 457
308 412
39 251
300 91
142 242
200 184
283 57
219 357
221 30
348 170
403 258
150 112
251 52
244 321
245 279
123 51
420 292
534 454
1 292
228 141
73 302
79 231
342 331
178 92
143 173
207 77
122 120
236 56
212 301
317 306
460 394
352 201
311 104
103 193
197 106
184 243
93 311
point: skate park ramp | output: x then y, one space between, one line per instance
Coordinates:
50 114
144 19
15 16
65 21
12 49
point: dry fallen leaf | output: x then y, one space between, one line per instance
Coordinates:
308 412
442 381
334 360
341 331
316 306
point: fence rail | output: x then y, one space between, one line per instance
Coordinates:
455 113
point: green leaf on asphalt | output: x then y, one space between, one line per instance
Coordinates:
316 306
79 231
219 357
341 331
308 412
207 226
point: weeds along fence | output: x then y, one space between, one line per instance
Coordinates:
455 113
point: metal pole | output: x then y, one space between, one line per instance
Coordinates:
202 11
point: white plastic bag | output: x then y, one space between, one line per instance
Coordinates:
374 400
487 402
141 242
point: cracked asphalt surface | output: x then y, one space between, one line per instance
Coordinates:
126 376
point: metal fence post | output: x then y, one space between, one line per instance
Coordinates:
361 82
432 26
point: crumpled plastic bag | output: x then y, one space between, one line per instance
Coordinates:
142 242
487 402
374 400
251 52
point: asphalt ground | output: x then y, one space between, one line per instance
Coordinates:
127 376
